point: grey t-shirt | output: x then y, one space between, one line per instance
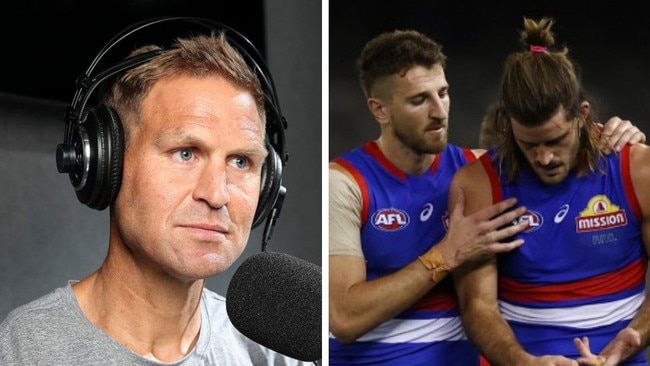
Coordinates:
52 330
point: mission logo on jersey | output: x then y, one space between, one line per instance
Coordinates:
390 219
600 214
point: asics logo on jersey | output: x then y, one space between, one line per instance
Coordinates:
559 216
426 212
390 219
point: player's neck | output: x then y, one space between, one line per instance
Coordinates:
404 158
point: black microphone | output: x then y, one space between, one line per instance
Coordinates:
275 300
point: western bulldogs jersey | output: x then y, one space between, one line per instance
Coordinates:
402 217
581 271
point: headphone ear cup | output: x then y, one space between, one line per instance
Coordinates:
102 130
270 185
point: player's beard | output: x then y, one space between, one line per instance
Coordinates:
419 143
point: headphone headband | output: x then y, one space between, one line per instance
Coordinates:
88 83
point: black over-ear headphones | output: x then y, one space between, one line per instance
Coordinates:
93 144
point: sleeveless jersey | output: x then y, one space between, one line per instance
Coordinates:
581 271
402 217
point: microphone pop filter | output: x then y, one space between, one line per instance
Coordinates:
275 300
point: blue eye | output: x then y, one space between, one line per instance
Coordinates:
241 162
185 154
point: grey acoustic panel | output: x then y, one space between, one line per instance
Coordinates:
46 236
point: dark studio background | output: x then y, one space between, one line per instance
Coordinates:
608 40
46 236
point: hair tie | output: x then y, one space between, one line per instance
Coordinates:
537 49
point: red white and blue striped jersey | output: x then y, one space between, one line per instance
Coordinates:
581 271
402 217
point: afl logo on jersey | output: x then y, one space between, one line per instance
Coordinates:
534 219
390 219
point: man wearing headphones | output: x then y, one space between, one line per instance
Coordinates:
181 135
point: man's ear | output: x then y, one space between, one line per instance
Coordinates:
378 110
584 112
